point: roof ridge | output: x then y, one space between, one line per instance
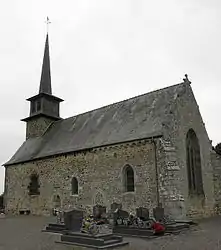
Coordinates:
130 98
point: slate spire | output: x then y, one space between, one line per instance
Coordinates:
45 84
44 107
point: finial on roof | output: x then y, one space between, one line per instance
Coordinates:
47 22
186 80
45 84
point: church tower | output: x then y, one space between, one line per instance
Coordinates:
44 107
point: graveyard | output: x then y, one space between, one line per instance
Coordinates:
115 228
25 233
109 229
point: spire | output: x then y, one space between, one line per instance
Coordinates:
43 105
45 84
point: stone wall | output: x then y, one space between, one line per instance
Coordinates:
169 181
216 161
37 127
181 115
99 173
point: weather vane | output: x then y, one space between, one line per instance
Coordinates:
48 22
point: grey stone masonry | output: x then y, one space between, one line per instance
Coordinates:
169 180
216 161
37 127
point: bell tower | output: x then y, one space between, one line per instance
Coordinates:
44 107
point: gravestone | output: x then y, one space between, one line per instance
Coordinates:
115 206
123 213
99 211
142 213
73 220
119 216
158 213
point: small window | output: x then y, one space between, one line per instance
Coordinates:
34 185
74 186
129 179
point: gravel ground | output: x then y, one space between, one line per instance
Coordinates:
24 233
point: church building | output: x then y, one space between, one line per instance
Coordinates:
150 150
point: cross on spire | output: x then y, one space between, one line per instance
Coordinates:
186 79
47 22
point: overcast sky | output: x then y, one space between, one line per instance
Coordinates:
103 51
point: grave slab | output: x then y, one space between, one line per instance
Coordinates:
132 231
101 241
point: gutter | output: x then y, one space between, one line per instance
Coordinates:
156 172
7 164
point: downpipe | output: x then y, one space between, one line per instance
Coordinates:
156 172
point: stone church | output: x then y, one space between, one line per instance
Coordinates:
149 150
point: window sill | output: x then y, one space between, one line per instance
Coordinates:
74 195
34 195
128 193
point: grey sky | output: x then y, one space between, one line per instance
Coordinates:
103 51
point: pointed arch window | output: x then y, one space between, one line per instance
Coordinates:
193 160
74 186
129 179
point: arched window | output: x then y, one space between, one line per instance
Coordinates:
34 185
193 159
74 186
129 179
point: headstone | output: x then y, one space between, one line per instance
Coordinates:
142 213
119 216
158 213
73 220
98 211
123 213
115 206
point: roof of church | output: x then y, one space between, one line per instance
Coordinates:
136 118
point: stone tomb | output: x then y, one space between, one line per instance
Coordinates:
115 206
158 213
143 213
132 231
110 214
124 230
54 228
101 241
72 222
99 211
119 216
73 236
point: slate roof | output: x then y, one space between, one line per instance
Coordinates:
132 119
